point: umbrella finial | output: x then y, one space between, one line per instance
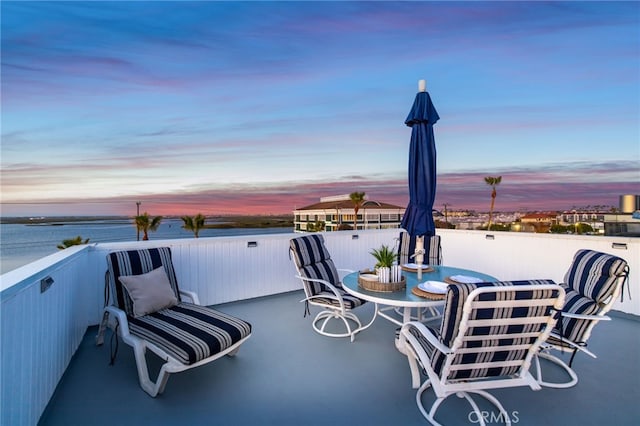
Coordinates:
422 85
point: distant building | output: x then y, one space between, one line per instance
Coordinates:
595 219
624 221
622 224
538 222
610 221
337 213
629 203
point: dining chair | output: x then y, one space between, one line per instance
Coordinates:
145 307
322 286
487 339
407 247
592 284
433 256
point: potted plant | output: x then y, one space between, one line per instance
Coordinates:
385 257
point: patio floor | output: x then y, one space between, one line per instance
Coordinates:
286 374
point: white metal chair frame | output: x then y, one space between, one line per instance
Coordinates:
120 325
339 312
575 347
443 387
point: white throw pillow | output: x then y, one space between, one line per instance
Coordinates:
149 292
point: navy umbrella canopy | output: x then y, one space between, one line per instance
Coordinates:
418 218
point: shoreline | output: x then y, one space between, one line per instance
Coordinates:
221 222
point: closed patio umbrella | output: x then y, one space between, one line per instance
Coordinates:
418 218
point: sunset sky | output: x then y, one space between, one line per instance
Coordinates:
263 107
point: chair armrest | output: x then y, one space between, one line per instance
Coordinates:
586 317
191 295
573 345
317 280
431 338
331 287
121 317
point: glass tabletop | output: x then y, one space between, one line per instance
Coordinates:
406 297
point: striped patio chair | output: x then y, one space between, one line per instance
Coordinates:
323 287
488 337
407 247
592 284
432 256
145 308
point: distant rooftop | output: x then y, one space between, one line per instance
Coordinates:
338 203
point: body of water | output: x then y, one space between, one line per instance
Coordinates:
21 244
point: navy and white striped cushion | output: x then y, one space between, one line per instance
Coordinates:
572 328
349 301
313 261
456 296
594 274
407 247
309 249
190 332
137 262
422 340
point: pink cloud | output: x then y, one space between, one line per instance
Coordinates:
519 190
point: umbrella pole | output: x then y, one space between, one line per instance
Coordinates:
419 255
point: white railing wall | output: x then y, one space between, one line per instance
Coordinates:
514 256
40 332
226 269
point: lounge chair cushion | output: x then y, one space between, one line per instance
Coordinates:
456 296
594 274
190 332
149 292
137 262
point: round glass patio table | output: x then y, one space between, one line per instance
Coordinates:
405 299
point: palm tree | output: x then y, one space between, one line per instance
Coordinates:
318 226
72 242
145 224
193 224
493 181
357 198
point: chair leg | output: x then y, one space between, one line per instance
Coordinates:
234 352
414 366
573 377
492 399
153 389
325 317
361 327
103 326
430 416
479 417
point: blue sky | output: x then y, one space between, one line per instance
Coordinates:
262 107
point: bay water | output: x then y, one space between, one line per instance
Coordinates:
21 244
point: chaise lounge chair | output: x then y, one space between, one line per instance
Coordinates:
147 310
